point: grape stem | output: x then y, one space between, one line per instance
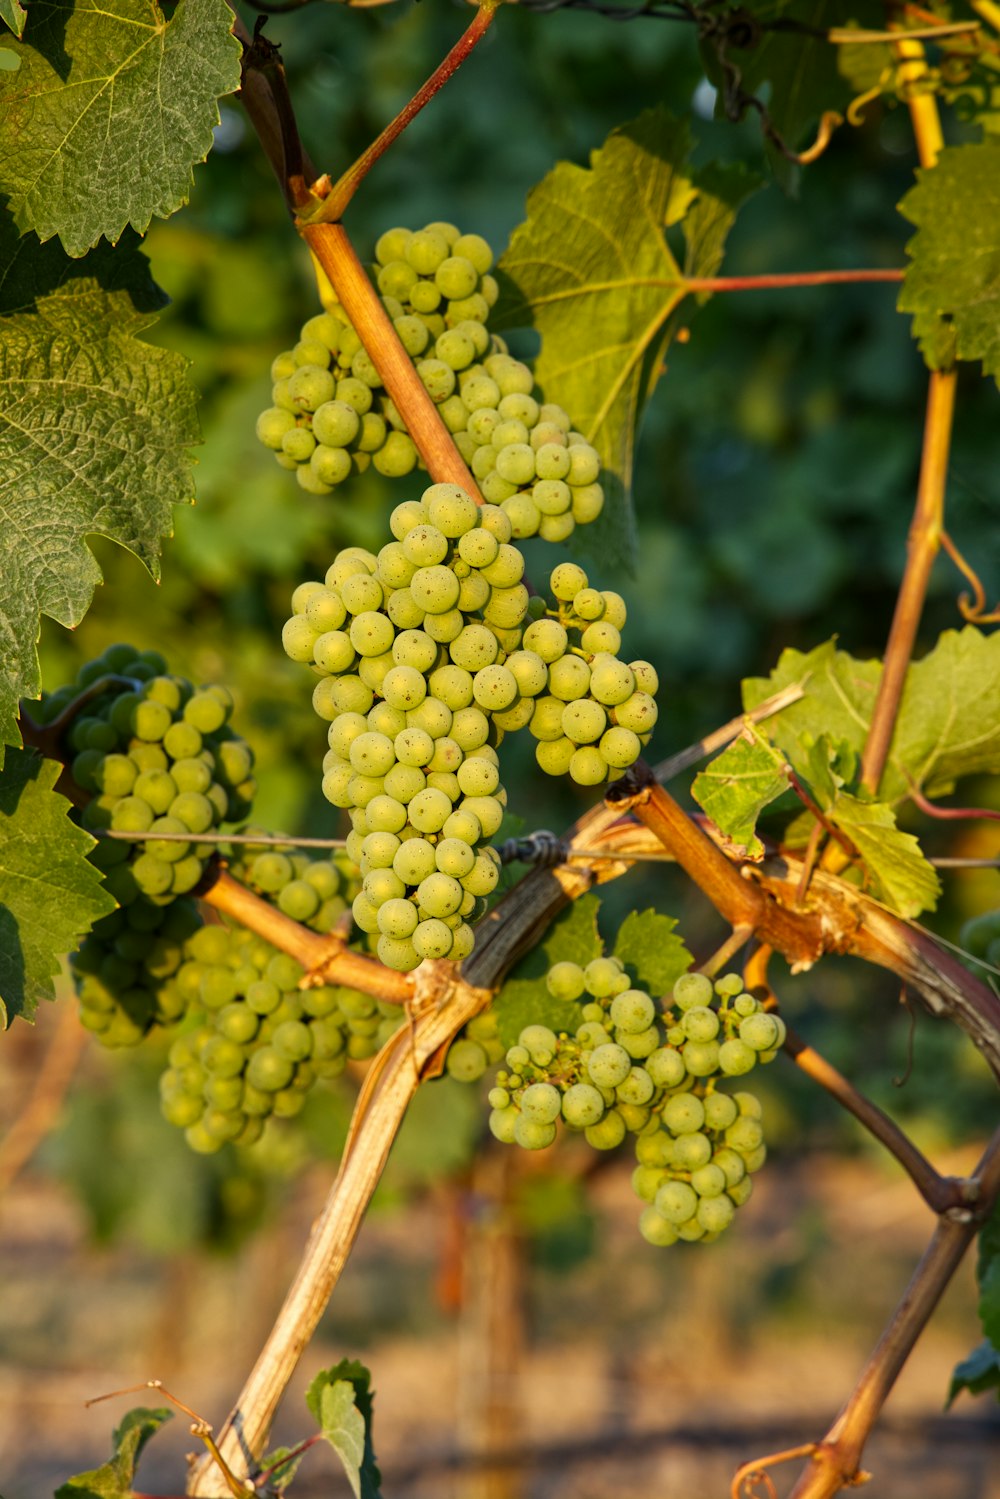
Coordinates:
836 1459
363 305
343 190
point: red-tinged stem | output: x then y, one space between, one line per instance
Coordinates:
359 299
344 189
780 280
958 814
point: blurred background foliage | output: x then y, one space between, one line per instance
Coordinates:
775 480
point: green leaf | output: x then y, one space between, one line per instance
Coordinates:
50 895
524 999
949 715
952 285
114 1479
988 1275
341 1400
738 784
977 1373
13 14
648 945
93 427
719 191
591 269
281 1466
112 106
902 876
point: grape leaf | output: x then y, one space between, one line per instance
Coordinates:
949 715
979 1372
591 269
902 876
50 896
738 784
93 427
341 1400
952 285
113 1480
649 946
13 13
112 106
524 1000
988 1275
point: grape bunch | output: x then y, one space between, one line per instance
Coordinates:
316 892
594 712
262 1041
409 645
158 757
476 1047
653 1071
332 417
123 967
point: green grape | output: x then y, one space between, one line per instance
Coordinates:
540 1103
607 1133
532 1135
608 1065
569 677
439 895
582 1106
736 1058
555 755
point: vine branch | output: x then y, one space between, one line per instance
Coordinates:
835 1460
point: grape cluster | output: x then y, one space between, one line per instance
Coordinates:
635 1067
415 686
332 417
594 712
157 757
262 1041
123 966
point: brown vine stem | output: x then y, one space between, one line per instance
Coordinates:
836 1458
924 540
344 189
780 281
326 958
335 253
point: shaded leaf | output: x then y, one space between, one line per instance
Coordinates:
524 999
114 1479
977 1373
952 284
112 106
591 269
738 784
13 13
988 1275
281 1466
341 1400
648 945
50 895
93 428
